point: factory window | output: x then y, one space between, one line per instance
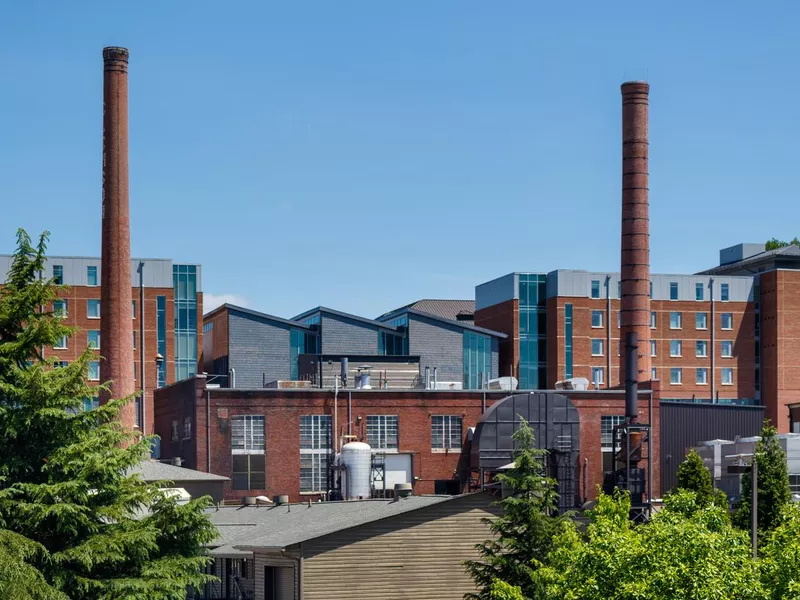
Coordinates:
60 308
607 424
653 345
675 347
187 428
477 356
651 290
673 290
595 288
597 347
698 291
315 452
382 432
61 343
652 319
247 448
93 339
727 320
174 431
726 349
208 327
653 373
133 309
568 341
91 275
598 375
445 432
675 376
58 274
93 309
597 318
701 349
727 376
724 292
675 320
94 370
701 376
701 321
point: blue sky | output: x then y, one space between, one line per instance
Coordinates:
362 155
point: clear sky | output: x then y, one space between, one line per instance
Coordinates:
362 155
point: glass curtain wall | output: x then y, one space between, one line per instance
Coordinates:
477 359
532 372
300 342
184 278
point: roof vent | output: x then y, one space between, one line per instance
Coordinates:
403 490
249 501
283 499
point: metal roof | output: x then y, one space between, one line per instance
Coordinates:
152 470
339 313
790 251
257 314
447 309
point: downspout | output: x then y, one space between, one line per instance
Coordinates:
711 327
208 430
608 330
349 412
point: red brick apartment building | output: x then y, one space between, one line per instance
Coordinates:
727 335
277 441
173 308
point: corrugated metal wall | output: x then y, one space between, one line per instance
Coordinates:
684 425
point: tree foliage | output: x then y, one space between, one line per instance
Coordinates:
695 477
526 528
775 243
773 484
780 556
75 523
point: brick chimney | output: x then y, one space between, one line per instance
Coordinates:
635 267
116 338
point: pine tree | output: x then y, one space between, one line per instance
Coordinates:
773 484
695 477
525 530
84 526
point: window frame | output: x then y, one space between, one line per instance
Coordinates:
62 344
602 372
653 321
593 288
679 346
705 321
447 433
187 428
679 371
699 292
697 372
599 342
722 321
724 292
697 344
673 285
315 452
92 274
89 376
89 343
63 314
597 313
379 439
725 344
93 302
725 370
653 348
679 315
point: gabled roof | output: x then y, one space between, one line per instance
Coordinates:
277 527
257 314
153 470
447 309
338 313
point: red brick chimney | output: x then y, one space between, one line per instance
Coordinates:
116 338
635 267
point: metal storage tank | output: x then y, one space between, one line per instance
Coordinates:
357 459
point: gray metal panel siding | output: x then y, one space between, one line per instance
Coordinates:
341 335
495 357
157 272
496 291
684 425
257 349
438 345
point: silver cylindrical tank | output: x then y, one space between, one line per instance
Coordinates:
357 459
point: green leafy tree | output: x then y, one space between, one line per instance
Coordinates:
686 552
695 477
780 556
525 530
504 591
775 243
773 484
76 523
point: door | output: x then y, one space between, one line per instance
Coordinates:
278 583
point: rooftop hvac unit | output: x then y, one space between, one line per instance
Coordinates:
356 457
574 383
506 384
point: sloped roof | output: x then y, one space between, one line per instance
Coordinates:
152 470
790 251
447 309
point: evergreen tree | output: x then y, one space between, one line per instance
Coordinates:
695 477
82 525
773 484
525 530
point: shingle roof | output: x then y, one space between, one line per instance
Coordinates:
152 470
448 309
248 527
257 314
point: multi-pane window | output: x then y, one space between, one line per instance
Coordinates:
726 349
673 290
60 308
598 375
315 452
607 424
652 319
93 309
724 292
93 339
727 376
94 370
653 345
701 376
247 448
61 343
597 318
701 348
174 431
675 347
701 320
595 288
698 291
187 428
184 281
675 376
568 341
382 432
597 347
91 275
58 274
675 320
727 320
477 356
445 432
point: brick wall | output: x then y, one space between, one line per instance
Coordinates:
503 317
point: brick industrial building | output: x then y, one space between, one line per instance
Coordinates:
172 310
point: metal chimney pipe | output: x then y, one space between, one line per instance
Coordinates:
631 381
635 255
115 268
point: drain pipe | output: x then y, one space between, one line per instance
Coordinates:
349 412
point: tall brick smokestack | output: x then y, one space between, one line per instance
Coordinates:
116 338
635 268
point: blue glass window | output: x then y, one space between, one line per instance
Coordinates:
161 339
673 290
724 290
58 274
60 308
91 275
94 370
698 291
532 369
300 342
184 278
93 309
595 288
93 339
477 359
